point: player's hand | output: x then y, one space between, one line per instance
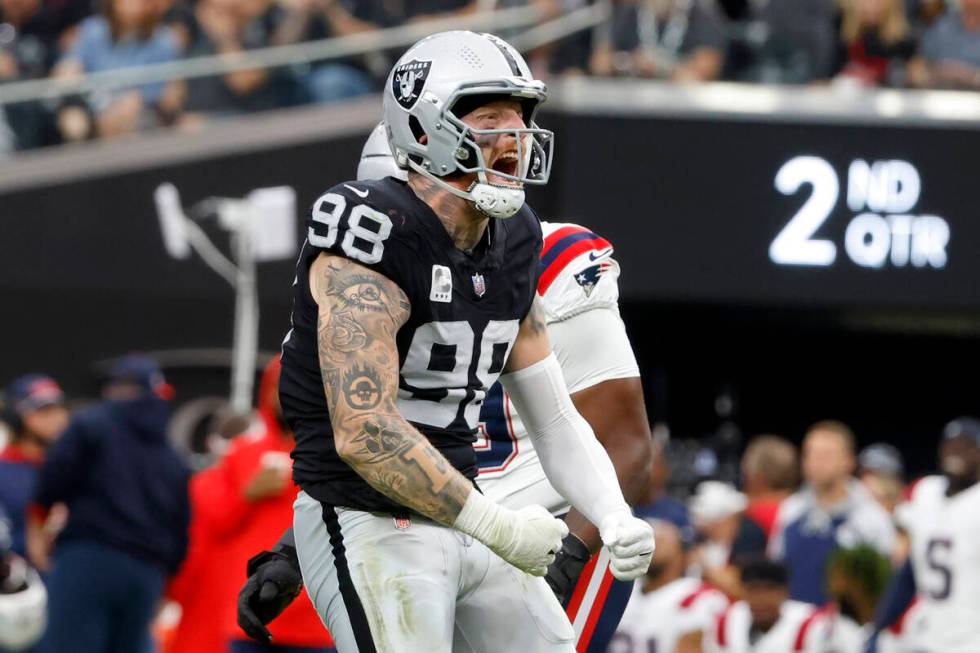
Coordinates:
630 543
274 581
530 540
271 479
564 572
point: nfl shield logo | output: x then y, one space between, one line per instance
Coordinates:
408 81
479 285
402 523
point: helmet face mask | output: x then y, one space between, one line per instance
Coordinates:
430 81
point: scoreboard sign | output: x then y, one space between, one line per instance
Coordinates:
882 232
823 215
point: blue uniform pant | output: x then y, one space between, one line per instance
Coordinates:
100 600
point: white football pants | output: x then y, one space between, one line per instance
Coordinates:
413 586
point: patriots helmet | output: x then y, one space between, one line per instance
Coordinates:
434 84
377 161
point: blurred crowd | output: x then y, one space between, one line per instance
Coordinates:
901 43
807 550
109 542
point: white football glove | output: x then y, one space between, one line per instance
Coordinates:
630 543
527 538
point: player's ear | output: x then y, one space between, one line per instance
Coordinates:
423 139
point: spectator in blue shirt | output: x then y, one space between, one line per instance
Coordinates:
128 34
949 55
832 510
35 414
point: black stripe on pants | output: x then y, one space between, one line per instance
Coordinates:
352 602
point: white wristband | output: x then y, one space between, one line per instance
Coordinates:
478 517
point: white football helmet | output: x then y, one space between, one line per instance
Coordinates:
377 161
426 85
23 606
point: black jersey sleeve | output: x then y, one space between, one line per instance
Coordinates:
362 221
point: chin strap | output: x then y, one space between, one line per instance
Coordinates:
490 199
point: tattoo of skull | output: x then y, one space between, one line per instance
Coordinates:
362 387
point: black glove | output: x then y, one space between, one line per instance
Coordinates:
564 571
274 580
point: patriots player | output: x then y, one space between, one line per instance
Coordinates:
669 611
767 621
942 519
410 301
579 292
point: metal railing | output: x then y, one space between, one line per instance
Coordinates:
314 51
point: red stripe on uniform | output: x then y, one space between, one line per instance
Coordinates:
558 234
551 273
583 584
693 596
801 636
597 605
899 625
722 621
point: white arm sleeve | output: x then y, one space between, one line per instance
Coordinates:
573 460
592 347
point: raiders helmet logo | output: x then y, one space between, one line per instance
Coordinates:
408 81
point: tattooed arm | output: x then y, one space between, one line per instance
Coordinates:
360 312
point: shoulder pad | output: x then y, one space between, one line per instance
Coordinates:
927 488
577 271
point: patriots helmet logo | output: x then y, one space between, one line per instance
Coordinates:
589 277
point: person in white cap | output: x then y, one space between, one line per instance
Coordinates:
726 536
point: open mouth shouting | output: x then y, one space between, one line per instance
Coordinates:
506 163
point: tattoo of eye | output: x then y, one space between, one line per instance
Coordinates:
363 293
345 334
362 387
379 441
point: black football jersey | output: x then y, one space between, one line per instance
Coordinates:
465 313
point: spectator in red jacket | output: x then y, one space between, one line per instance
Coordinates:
241 506
204 581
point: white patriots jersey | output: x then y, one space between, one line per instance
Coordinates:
903 635
849 637
577 276
945 556
801 628
657 620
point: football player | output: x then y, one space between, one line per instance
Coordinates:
767 621
942 518
411 299
580 296
668 612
